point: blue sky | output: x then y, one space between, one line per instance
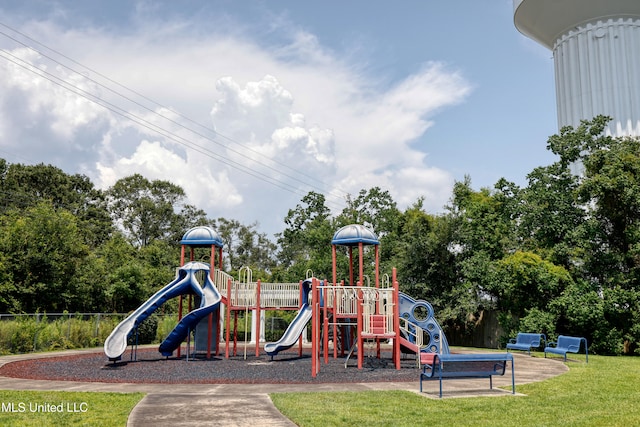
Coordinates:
260 102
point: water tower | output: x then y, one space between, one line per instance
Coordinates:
596 52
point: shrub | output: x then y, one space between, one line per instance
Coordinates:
538 321
23 337
7 328
51 337
146 331
165 326
40 333
607 341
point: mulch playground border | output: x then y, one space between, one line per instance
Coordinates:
150 366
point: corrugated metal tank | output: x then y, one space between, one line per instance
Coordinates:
596 51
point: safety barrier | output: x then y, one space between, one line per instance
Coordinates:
279 295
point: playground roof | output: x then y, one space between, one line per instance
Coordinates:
352 235
202 236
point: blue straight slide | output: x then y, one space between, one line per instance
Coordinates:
185 282
292 333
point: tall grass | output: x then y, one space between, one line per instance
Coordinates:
38 333
165 326
34 333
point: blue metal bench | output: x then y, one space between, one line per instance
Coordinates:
526 341
566 344
484 365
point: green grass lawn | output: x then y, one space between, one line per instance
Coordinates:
58 408
604 392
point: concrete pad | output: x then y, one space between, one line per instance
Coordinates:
169 410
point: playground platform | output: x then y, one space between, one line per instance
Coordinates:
227 403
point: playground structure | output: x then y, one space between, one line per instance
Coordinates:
215 292
357 313
346 317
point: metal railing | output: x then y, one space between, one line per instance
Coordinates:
279 295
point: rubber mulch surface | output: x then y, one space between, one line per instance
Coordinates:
151 367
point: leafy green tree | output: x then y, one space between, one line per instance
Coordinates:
188 217
245 246
125 287
160 260
43 254
125 275
9 295
480 231
551 218
608 191
483 219
145 210
23 186
524 281
373 208
523 286
305 243
376 210
611 186
580 311
426 265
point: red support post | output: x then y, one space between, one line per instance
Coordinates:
209 332
325 328
258 320
179 319
212 266
350 265
361 262
235 332
300 304
229 282
334 260
359 333
377 252
396 319
180 298
314 329
216 319
335 327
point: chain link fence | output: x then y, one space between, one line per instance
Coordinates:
37 332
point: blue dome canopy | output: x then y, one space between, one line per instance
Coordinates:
351 235
201 237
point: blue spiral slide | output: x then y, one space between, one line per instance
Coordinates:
184 283
420 314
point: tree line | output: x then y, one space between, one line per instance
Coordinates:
560 255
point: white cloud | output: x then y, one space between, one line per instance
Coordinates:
40 120
27 76
259 116
198 179
301 113
251 113
432 183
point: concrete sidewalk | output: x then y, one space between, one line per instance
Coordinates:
249 404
